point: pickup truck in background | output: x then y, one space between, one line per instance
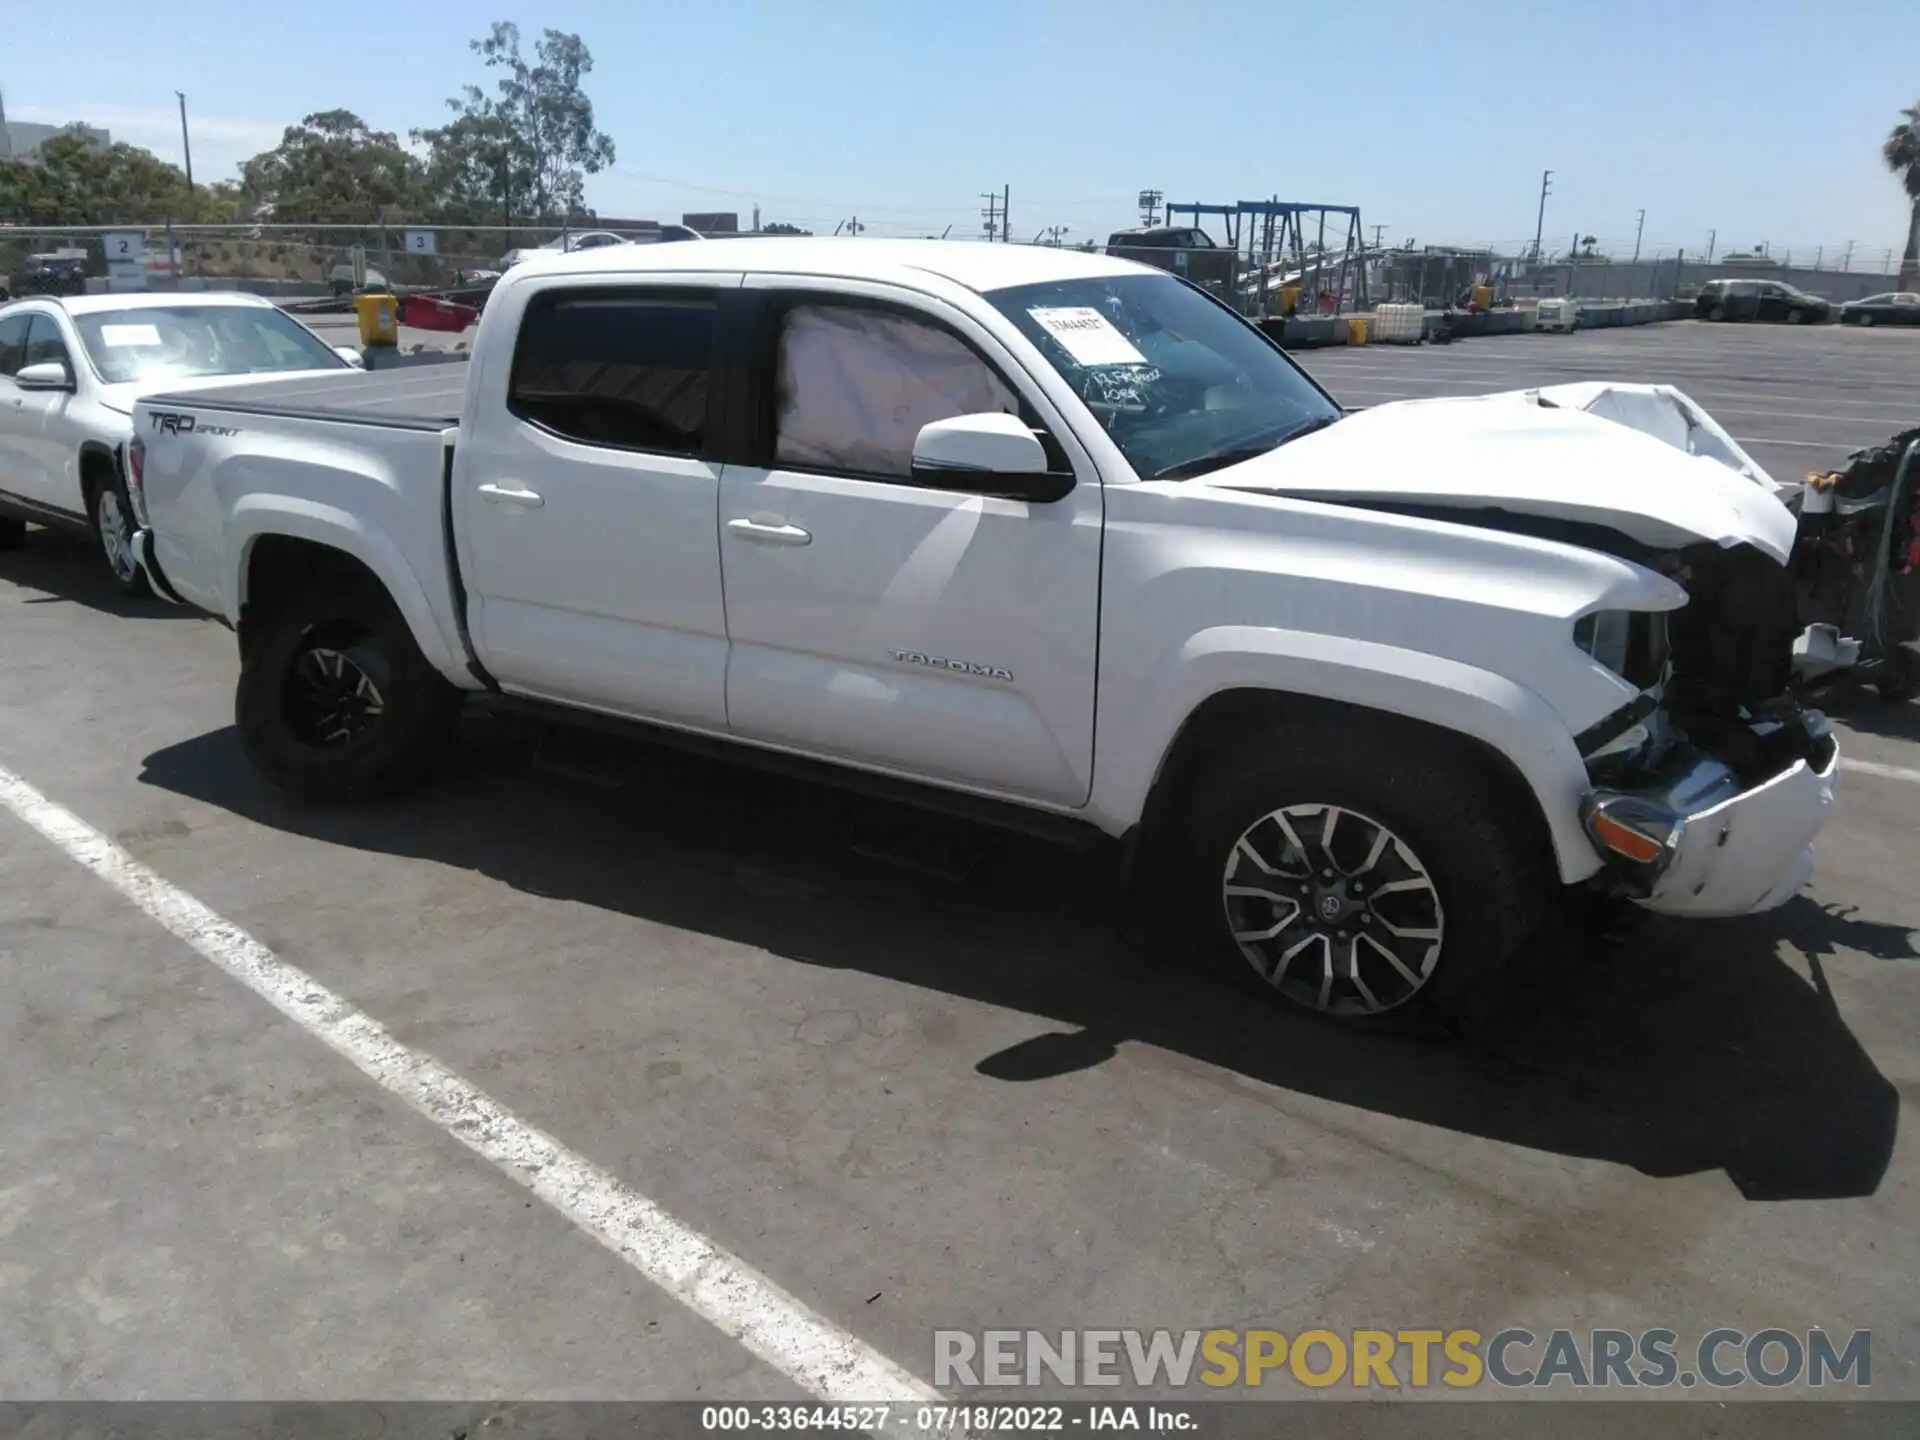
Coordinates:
1048 537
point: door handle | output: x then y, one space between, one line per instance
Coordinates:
502 495
769 534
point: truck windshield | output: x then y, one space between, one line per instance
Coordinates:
154 341
1182 384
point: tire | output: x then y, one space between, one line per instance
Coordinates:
13 533
1866 320
111 518
1793 317
336 702
1718 312
1460 864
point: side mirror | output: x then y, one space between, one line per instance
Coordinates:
986 454
47 375
352 356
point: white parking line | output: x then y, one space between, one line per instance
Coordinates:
719 1287
1885 772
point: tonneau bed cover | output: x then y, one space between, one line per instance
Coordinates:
414 397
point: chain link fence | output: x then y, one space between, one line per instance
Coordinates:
292 260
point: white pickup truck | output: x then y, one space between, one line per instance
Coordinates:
1045 536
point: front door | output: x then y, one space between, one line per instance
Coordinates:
24 469
943 635
584 490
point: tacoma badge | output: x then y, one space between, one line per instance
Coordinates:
958 667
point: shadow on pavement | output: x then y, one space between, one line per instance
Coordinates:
1692 1048
67 569
1895 720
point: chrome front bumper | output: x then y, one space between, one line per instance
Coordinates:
1724 849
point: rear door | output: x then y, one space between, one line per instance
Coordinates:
584 493
941 634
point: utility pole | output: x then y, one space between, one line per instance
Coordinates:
1051 235
1150 208
1712 235
991 214
185 144
1638 231
1539 224
1376 235
1006 225
1846 263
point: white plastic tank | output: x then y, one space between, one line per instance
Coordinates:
1397 324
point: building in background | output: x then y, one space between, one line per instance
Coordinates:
23 137
713 222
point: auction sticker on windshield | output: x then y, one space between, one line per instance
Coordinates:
115 336
1087 335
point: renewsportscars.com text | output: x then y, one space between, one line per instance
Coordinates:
1402 1359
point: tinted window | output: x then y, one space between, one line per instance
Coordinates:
44 344
855 384
13 343
631 372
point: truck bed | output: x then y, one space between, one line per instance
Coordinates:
415 397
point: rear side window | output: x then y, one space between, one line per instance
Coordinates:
629 372
13 343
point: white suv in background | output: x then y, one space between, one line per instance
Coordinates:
71 368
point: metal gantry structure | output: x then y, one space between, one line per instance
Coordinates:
1318 249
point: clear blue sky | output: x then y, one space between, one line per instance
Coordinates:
1760 120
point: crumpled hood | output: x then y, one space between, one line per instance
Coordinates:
1487 452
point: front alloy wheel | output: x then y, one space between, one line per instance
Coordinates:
1333 909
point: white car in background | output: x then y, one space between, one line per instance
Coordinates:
575 241
71 367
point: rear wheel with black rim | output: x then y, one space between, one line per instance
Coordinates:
335 700
1351 870
1794 317
112 520
1866 319
1718 312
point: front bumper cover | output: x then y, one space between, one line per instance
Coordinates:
1725 847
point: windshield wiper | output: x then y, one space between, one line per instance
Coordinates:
1234 454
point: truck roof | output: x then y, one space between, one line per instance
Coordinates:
975 264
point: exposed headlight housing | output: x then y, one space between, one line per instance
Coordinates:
1630 643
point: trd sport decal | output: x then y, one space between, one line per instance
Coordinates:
169 422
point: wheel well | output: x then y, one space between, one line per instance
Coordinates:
95 465
282 566
1227 717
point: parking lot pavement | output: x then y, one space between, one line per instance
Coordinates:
903 1067
1798 398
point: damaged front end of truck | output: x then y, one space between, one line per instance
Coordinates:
1708 786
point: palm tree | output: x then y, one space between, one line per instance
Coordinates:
1902 154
